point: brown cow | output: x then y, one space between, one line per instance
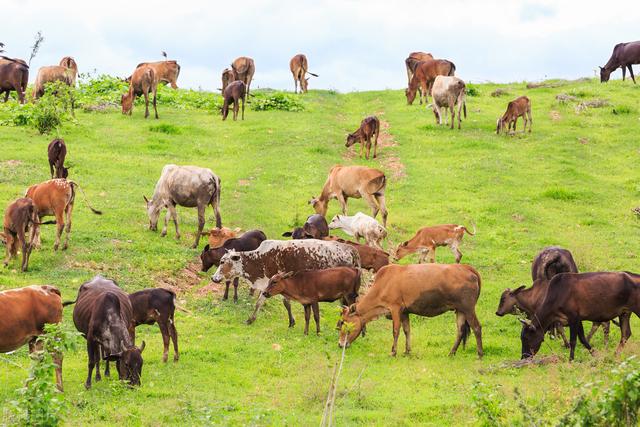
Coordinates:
66 72
19 218
57 151
422 289
56 197
166 71
244 68
143 81
426 72
217 236
519 107
310 287
233 94
357 182
315 227
427 239
369 128
412 61
228 76
157 305
14 75
300 68
370 258
25 312
623 56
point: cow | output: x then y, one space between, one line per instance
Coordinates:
25 312
244 68
14 75
57 151
519 107
143 82
623 56
249 241
425 74
217 236
423 289
360 226
56 197
234 93
550 261
188 186
104 316
315 227
574 297
370 258
412 61
166 72
357 182
310 287
281 256
20 217
157 305
369 129
427 239
66 72
300 68
228 76
449 92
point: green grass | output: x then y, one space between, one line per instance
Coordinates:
572 182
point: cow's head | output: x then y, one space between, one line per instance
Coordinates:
403 250
217 236
276 284
411 95
127 103
350 326
336 222
508 302
297 233
153 211
230 267
352 138
210 257
130 364
320 206
604 75
531 336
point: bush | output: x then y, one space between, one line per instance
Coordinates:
266 101
472 90
622 109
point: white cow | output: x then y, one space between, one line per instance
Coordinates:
360 225
449 92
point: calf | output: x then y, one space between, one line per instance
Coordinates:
234 93
19 218
519 107
217 236
369 128
315 227
449 92
310 287
157 306
370 258
426 290
427 239
57 151
143 82
360 226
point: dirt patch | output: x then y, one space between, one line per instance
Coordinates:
544 85
594 103
563 97
184 281
244 182
11 163
555 115
499 92
583 141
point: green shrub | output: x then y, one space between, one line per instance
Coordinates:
265 101
622 109
167 128
472 90
559 193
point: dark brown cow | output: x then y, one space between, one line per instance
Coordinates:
370 258
14 75
244 68
412 62
20 217
104 316
228 76
574 297
369 128
25 312
143 82
233 94
57 151
315 227
425 73
310 287
300 68
157 305
623 56
550 261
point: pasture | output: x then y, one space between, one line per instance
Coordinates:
572 182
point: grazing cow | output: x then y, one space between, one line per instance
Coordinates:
217 236
623 56
425 73
412 62
143 81
315 227
449 92
25 312
56 197
427 239
574 297
14 75
165 71
188 186
370 258
19 218
57 151
249 241
66 72
281 256
244 68
157 305
233 94
422 289
228 76
357 182
310 287
360 226
369 128
299 68
519 107
104 316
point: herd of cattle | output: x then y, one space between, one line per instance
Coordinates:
313 266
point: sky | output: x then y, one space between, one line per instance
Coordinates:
352 45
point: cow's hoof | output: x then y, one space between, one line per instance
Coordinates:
55 247
163 234
87 386
176 358
392 354
249 321
64 248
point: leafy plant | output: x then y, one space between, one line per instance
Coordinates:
275 101
53 107
472 90
488 404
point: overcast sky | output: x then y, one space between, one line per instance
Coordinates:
352 45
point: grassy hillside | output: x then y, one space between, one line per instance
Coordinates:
572 182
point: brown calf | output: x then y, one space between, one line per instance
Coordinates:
157 306
217 236
519 107
234 93
369 128
427 239
299 68
310 287
370 258
425 73
143 81
423 289
57 151
19 217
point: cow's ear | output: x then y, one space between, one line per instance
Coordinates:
519 289
287 234
144 344
145 199
288 274
405 243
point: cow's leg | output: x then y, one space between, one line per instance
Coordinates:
395 317
295 81
201 221
368 146
456 251
307 315
474 323
287 305
24 247
560 331
372 202
316 316
171 208
625 331
259 303
406 328
624 71
155 98
631 74
167 217
343 202
573 335
59 227
423 255
432 254
174 337
68 212
375 144
582 338
453 116
226 290
146 104
461 321
36 235
91 356
594 328
164 330
606 326
236 105
242 99
383 208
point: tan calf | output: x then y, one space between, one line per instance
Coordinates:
427 239
143 82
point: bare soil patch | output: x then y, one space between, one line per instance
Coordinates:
184 281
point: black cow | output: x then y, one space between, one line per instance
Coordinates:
157 305
315 227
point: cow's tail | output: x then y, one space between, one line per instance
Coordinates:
468 232
66 303
84 197
452 69
182 309
466 329
313 74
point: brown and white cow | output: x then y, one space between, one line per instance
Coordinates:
281 256
427 239
20 217
448 93
25 312
165 71
157 305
